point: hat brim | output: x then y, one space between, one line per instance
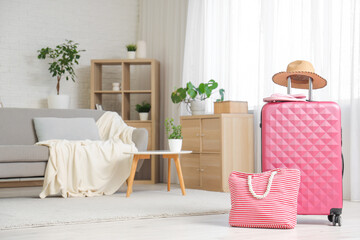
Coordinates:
299 79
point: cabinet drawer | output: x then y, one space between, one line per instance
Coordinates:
190 166
211 171
191 134
211 135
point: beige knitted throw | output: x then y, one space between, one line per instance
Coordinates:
90 168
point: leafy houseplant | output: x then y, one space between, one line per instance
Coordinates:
195 96
131 48
63 57
174 135
143 109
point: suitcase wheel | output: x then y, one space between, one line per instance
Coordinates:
335 219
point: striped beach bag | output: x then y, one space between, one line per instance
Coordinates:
264 200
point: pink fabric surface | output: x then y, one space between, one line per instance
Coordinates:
276 210
279 97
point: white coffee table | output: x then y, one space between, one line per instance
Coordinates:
166 154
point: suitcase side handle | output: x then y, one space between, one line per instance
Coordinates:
310 87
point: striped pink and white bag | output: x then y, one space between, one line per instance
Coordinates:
264 200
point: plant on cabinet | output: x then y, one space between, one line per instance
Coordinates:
131 51
195 96
174 135
143 109
63 57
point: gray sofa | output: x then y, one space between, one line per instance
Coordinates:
19 157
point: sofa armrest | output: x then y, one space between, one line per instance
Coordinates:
140 138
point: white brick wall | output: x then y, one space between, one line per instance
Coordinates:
103 28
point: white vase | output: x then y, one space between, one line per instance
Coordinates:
141 49
144 116
131 54
116 86
175 145
197 107
59 101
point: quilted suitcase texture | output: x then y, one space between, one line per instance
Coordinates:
306 136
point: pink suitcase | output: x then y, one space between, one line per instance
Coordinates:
307 136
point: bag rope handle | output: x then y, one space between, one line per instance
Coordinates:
267 188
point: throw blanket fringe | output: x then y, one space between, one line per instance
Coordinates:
90 168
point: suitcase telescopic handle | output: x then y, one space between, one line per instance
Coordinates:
310 87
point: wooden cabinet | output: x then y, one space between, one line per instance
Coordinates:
221 143
150 87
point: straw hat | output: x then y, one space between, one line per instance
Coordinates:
299 71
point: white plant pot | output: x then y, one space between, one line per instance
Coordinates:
175 145
131 55
59 101
144 116
198 107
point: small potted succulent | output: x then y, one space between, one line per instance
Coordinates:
143 109
173 133
131 48
63 57
195 97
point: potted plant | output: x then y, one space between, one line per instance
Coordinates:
131 48
195 96
143 109
173 133
63 58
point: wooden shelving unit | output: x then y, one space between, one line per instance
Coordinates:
149 173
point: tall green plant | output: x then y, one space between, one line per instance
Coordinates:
63 58
172 131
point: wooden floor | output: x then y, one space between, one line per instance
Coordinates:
196 227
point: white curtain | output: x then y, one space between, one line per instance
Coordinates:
162 25
242 43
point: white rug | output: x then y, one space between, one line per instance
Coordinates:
147 201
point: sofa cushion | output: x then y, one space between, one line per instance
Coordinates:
23 153
22 169
17 128
140 138
66 128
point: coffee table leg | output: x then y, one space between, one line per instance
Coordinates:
169 174
132 175
178 169
127 183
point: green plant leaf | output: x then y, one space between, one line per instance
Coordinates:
207 91
222 94
189 85
212 84
178 95
172 131
143 107
192 93
201 88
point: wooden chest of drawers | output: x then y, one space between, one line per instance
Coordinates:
220 143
